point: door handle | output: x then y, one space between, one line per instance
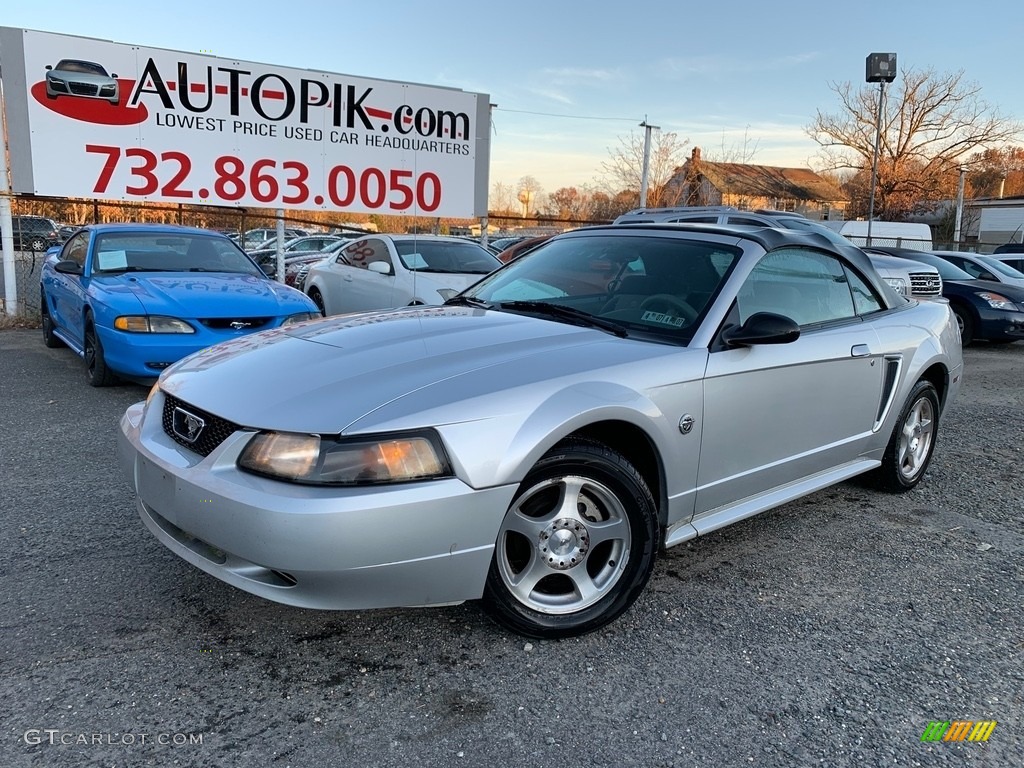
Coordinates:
859 350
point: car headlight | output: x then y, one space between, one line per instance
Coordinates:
152 324
299 318
370 460
898 284
997 301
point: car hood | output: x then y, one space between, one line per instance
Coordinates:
195 295
324 376
1013 292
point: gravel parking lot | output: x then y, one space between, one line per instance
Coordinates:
827 632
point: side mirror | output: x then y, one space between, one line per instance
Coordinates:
269 268
68 267
49 67
380 267
113 75
762 328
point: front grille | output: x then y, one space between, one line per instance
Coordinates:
242 323
925 284
215 432
82 89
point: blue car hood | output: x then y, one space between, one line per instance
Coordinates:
200 295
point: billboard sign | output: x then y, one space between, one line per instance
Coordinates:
97 119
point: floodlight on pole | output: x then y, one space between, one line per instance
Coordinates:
880 68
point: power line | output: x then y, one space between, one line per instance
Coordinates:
570 117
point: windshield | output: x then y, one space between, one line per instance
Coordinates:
1002 268
643 284
450 257
83 67
163 252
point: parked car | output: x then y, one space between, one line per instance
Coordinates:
919 281
516 250
382 271
1009 248
982 267
87 79
501 243
133 298
64 231
984 309
308 244
1010 259
534 443
254 239
34 233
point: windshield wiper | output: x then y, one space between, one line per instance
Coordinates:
468 301
562 312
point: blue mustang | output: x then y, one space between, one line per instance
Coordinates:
134 298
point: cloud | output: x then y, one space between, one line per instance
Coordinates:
682 67
578 76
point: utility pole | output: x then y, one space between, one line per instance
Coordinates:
647 160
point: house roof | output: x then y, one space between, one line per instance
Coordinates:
764 181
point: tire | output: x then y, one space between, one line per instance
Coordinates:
314 294
38 244
912 442
966 323
49 338
539 589
95 366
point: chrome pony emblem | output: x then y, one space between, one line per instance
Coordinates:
239 324
187 425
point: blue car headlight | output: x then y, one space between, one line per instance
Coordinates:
368 460
152 324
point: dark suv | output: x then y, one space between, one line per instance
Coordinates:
34 233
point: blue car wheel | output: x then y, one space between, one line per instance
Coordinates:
95 366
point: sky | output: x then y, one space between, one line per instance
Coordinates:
571 79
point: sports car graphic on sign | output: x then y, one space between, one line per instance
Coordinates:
73 77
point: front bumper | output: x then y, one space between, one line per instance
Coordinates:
332 548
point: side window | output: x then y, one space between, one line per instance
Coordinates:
804 285
745 221
76 248
695 220
363 252
865 300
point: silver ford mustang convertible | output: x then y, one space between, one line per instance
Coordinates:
536 441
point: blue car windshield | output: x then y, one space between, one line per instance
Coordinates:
162 252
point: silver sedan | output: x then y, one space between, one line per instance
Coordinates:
537 440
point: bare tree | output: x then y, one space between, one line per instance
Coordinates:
503 200
529 194
624 169
741 152
930 123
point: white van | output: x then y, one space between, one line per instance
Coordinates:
900 234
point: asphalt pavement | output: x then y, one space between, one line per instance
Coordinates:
828 632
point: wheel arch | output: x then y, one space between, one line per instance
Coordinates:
938 375
636 445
